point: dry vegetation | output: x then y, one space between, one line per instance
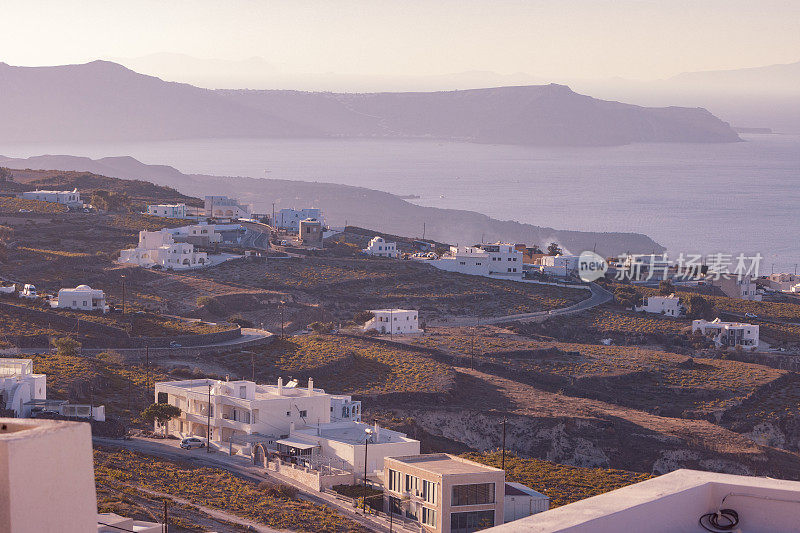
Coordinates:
217 489
37 207
563 484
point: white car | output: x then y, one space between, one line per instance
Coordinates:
192 442
750 315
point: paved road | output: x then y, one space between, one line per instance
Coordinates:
169 449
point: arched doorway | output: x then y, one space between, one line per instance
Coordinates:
259 455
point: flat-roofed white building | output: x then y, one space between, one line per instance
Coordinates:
160 248
289 219
394 321
380 247
500 259
19 385
240 409
224 207
558 265
347 442
444 493
167 210
675 503
740 287
69 198
665 305
728 333
82 298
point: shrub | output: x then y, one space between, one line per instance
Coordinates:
67 346
240 321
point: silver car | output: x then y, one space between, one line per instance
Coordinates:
192 442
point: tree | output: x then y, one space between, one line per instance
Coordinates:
665 287
554 249
535 249
5 174
363 317
67 346
161 413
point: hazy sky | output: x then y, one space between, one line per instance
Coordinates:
554 39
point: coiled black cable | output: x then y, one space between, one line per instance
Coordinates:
721 521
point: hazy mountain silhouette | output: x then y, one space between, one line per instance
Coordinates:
105 101
377 210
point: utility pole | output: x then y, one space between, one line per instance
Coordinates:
147 368
472 350
503 460
253 362
281 306
166 516
208 421
123 294
273 215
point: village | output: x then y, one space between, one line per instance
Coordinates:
206 293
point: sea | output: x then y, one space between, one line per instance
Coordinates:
706 199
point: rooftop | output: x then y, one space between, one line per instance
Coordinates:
262 392
352 433
444 464
675 503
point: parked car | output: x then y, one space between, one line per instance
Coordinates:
174 344
192 442
750 315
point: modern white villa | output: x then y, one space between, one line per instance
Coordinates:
664 305
394 321
224 207
167 210
69 198
500 260
160 248
19 385
346 443
243 411
678 502
82 298
728 333
379 247
289 219
559 265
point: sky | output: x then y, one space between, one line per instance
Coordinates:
635 39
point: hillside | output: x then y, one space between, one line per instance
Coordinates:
106 101
357 206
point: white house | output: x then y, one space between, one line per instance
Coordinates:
665 305
19 385
29 291
742 288
677 502
167 210
379 247
346 442
393 321
83 298
160 248
521 501
559 265
496 260
289 219
224 207
69 198
244 411
728 333
47 480
8 289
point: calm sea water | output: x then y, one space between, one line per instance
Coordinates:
692 198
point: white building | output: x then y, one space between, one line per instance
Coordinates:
19 385
160 248
782 281
346 442
379 247
394 321
496 260
167 210
242 410
69 198
742 288
665 305
559 265
28 291
675 503
224 207
521 501
83 298
199 234
47 480
728 333
289 219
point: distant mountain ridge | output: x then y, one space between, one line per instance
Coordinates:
358 206
106 101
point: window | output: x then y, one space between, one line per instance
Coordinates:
412 483
471 521
429 517
163 397
394 480
288 413
429 491
303 413
472 494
